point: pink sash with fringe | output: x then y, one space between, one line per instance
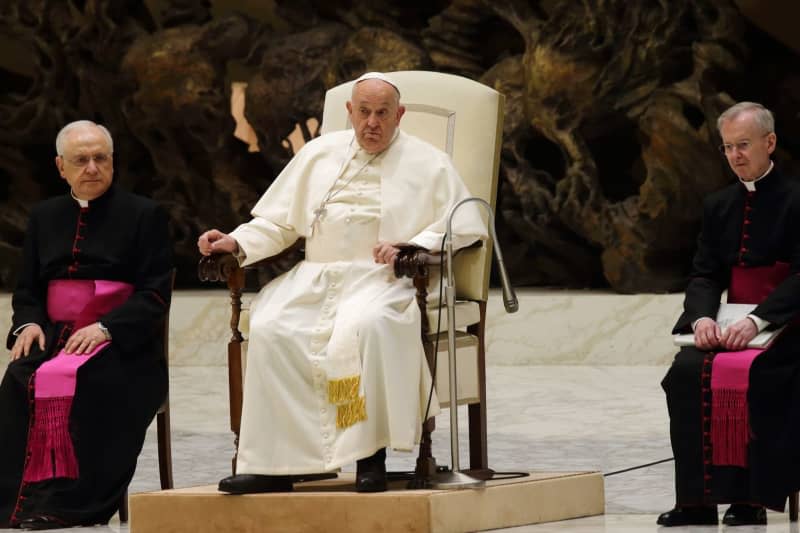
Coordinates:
80 302
730 371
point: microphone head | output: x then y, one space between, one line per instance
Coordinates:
512 305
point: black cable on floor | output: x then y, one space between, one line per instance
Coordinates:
638 467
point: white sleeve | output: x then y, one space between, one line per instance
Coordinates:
260 238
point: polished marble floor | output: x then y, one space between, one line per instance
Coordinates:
605 418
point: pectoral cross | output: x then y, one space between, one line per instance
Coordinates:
318 214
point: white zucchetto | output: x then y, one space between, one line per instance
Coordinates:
378 76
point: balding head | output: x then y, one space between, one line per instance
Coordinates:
84 158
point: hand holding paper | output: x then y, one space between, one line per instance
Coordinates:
731 330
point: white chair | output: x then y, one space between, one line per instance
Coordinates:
463 118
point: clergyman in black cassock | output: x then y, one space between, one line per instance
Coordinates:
750 246
95 237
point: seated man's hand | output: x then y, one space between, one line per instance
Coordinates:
707 334
739 334
22 346
215 242
85 340
385 253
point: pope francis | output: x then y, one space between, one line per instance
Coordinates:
336 370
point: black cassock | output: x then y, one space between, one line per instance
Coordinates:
742 230
118 237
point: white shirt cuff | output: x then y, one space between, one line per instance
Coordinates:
694 324
240 255
760 323
17 331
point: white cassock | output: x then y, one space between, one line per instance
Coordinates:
335 364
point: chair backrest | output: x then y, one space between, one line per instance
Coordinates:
461 117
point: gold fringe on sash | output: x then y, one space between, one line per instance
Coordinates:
343 390
350 413
350 407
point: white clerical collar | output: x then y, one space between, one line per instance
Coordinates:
751 185
82 203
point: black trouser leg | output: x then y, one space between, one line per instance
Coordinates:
683 386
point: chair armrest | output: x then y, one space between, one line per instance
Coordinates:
413 261
222 267
217 267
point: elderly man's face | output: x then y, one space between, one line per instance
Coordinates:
375 114
86 163
746 146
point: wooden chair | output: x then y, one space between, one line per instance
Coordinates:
464 118
162 430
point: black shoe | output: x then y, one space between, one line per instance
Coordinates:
255 483
371 473
689 516
39 523
739 514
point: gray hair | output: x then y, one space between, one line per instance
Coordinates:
761 115
62 135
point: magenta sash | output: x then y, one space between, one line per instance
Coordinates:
80 302
730 371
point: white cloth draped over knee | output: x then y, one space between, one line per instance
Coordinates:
338 315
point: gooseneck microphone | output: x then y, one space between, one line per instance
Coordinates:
455 479
509 296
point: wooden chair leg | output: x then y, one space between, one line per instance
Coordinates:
793 507
164 447
478 456
426 464
478 451
123 507
235 393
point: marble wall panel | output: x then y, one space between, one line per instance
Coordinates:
558 327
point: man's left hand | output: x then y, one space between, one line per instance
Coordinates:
385 252
84 340
737 336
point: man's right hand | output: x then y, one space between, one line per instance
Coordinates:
25 339
707 334
215 242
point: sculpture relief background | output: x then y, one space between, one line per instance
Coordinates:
610 131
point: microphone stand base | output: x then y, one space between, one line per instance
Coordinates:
456 480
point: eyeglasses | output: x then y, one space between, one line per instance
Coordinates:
83 160
741 146
728 148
